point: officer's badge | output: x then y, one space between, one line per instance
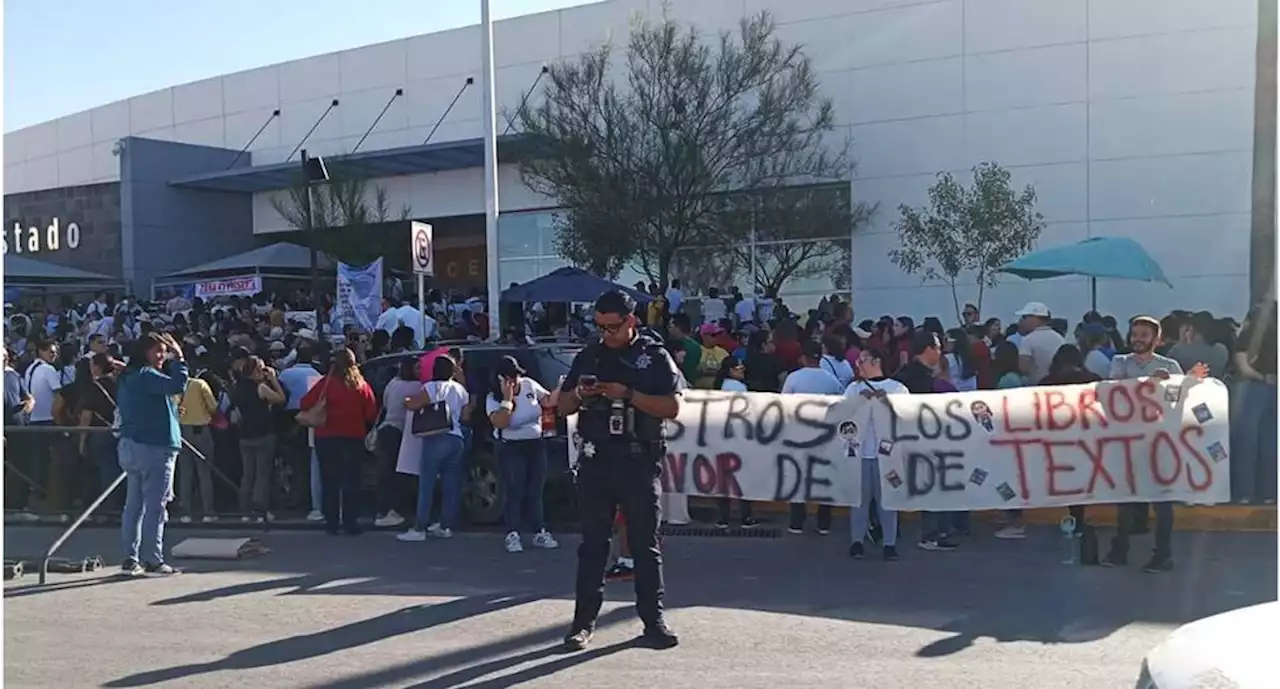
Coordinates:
589 449
643 361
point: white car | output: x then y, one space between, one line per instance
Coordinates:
1231 650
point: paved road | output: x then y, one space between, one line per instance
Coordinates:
342 613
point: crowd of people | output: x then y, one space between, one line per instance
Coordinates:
274 399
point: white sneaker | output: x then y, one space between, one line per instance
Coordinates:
315 516
390 519
1011 532
185 519
513 543
208 519
435 531
246 519
412 536
542 539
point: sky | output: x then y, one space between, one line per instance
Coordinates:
65 56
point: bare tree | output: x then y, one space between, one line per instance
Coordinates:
343 211
644 166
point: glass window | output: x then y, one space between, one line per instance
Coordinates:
518 235
547 223
517 270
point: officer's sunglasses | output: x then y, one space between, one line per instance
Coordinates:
611 328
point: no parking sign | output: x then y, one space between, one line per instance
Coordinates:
420 248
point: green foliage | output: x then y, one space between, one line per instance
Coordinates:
344 211
649 155
967 230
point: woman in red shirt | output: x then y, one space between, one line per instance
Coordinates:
349 412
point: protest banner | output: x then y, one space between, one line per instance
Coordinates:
359 297
758 446
306 318
247 285
1142 440
1111 442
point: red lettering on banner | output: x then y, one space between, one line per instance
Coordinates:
1112 394
728 464
1018 444
1200 459
673 474
704 475
1008 418
1153 458
1055 402
1088 405
1052 469
1152 409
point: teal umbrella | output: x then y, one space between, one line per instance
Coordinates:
1116 258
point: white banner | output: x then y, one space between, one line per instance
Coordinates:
1141 440
359 299
306 318
757 446
1116 441
244 286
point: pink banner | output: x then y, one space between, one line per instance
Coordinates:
229 287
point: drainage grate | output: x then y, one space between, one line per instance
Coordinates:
712 532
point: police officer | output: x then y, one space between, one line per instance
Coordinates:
623 387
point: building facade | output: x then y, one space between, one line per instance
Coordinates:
1132 118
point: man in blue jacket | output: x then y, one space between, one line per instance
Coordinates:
150 438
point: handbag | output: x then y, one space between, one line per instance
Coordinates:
318 413
433 419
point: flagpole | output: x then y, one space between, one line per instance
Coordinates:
490 169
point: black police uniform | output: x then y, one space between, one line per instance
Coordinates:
618 466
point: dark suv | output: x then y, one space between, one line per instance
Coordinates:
483 494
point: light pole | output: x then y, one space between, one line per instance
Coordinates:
490 170
313 170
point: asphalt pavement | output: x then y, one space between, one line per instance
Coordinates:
324 612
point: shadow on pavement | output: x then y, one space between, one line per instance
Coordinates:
1002 590
404 621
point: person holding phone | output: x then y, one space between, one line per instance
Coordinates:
623 388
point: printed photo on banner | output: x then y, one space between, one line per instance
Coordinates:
1108 442
359 298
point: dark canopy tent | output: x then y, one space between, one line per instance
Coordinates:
567 285
280 260
25 273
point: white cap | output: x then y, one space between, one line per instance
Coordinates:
1033 308
864 334
307 334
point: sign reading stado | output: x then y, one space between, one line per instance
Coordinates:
32 240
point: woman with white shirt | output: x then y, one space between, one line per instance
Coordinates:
390 434
515 406
833 362
713 307
441 453
872 384
731 378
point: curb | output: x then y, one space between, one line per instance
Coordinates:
1232 518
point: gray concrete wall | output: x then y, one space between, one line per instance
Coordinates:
169 228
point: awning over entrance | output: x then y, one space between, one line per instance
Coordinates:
407 160
27 273
275 260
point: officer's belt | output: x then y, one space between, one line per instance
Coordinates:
631 447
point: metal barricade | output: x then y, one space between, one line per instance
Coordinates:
106 492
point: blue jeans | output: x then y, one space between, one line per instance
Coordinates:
441 455
523 466
860 516
1253 441
149 478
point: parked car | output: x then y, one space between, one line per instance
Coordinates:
482 492
1231 649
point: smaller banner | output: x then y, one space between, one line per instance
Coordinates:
244 286
306 318
359 295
